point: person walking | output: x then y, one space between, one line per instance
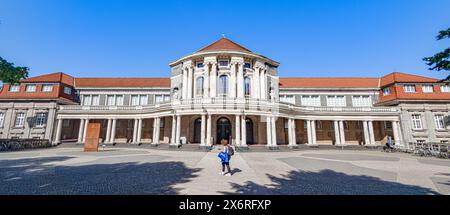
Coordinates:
225 157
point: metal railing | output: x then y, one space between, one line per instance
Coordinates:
23 144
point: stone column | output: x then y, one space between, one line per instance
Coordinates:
263 92
256 80
173 135
86 124
238 130
243 131
233 80
203 131
309 132
337 136
139 131
294 138
269 131
213 80
313 132
208 131
178 132
371 134
157 124
206 83
108 131
135 128
274 132
185 83
190 83
342 132
290 132
395 131
112 139
58 132
80 131
366 133
240 80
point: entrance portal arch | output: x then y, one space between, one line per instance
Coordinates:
223 129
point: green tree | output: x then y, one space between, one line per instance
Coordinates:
10 73
441 60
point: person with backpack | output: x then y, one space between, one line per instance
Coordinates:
225 157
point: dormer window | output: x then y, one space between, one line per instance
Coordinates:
386 91
14 88
47 88
223 63
30 88
445 88
427 88
409 88
68 90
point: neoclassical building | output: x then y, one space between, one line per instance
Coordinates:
225 91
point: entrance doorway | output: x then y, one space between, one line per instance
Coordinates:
223 130
197 130
249 131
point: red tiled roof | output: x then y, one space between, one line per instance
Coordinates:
329 82
398 77
58 77
224 44
122 82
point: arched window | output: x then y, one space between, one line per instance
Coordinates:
223 85
247 86
200 89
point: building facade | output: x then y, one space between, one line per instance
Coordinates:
225 91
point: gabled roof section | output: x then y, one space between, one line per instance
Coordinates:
398 77
58 77
224 44
329 82
122 82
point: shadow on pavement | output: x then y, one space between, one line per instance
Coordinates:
38 176
328 182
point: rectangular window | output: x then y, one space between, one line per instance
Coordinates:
41 119
387 125
2 119
427 88
166 98
87 100
119 100
47 88
336 101
445 88
247 65
312 101
287 99
14 88
68 90
439 121
319 125
361 101
200 65
134 100
161 122
223 63
386 91
143 100
159 99
30 88
20 120
95 100
66 123
416 121
110 101
409 88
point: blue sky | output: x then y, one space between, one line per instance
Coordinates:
310 38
